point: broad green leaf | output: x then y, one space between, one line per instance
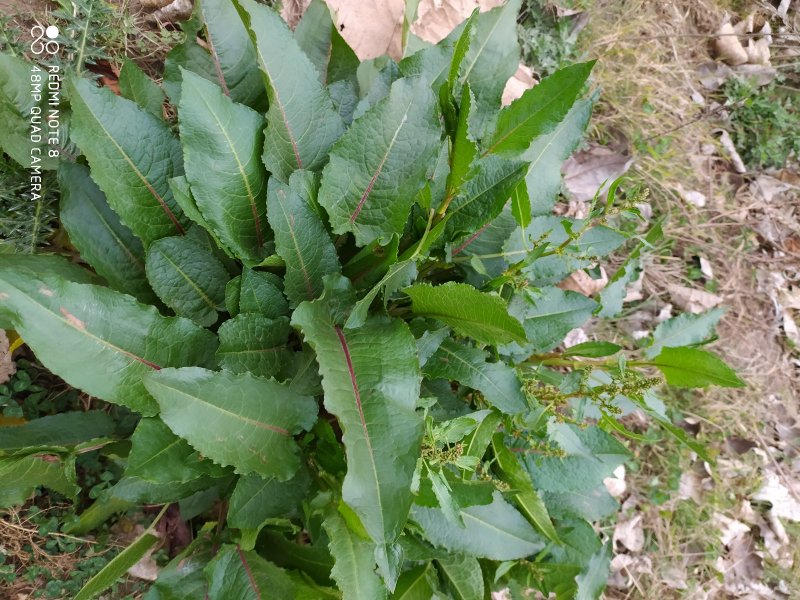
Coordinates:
371 380
134 84
256 499
465 148
492 58
221 144
235 573
429 342
487 244
481 316
112 339
549 314
233 54
592 349
613 295
354 562
431 63
573 483
375 78
133 155
460 50
475 445
257 292
546 270
398 276
690 367
192 56
321 41
227 58
592 581
187 278
521 205
302 123
488 187
495 531
463 576
546 154
538 111
469 366
254 419
415 584
162 467
54 432
313 560
21 475
525 496
252 343
17 104
118 566
684 330
300 238
380 163
183 578
95 230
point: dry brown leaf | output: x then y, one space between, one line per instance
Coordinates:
516 86
146 568
580 281
692 300
7 366
630 533
727 46
626 568
292 11
586 171
437 18
574 337
785 504
371 27
733 154
616 485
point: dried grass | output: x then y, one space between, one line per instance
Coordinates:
649 53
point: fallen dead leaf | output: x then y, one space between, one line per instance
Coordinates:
145 568
630 533
371 27
7 366
625 570
518 84
692 197
733 154
785 505
437 18
727 46
692 300
580 281
292 10
616 485
591 171
675 578
575 337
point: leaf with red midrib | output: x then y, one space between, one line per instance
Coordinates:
254 418
379 164
371 379
106 340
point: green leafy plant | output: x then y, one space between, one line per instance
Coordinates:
338 319
765 123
